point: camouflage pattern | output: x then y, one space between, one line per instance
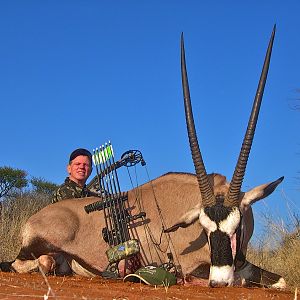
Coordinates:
69 189
122 251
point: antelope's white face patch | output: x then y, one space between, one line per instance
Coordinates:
230 224
206 222
227 225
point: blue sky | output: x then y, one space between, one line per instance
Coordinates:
79 73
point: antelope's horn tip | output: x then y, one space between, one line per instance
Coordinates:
280 179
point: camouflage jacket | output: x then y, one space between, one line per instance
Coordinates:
70 189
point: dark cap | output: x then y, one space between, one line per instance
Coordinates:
80 151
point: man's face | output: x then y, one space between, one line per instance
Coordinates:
79 169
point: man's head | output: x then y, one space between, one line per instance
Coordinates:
80 166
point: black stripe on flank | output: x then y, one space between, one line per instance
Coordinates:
221 254
255 276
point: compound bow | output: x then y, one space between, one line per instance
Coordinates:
117 218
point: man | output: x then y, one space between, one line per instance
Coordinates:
79 169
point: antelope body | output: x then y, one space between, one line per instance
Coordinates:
64 228
202 219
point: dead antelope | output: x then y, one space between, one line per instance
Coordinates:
207 228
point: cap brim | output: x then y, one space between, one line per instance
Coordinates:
136 278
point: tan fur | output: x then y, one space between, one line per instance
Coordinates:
66 228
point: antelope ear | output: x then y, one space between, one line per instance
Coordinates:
186 220
259 193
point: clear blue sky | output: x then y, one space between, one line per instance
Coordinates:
79 73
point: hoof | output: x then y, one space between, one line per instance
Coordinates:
280 284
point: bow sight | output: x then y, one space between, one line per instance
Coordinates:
114 204
128 159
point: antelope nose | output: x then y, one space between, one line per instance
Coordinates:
214 283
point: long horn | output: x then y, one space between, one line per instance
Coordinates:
232 198
207 194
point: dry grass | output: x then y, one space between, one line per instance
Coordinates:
15 212
278 250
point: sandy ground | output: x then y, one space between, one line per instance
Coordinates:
34 286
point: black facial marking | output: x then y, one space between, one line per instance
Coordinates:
221 254
220 199
217 212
